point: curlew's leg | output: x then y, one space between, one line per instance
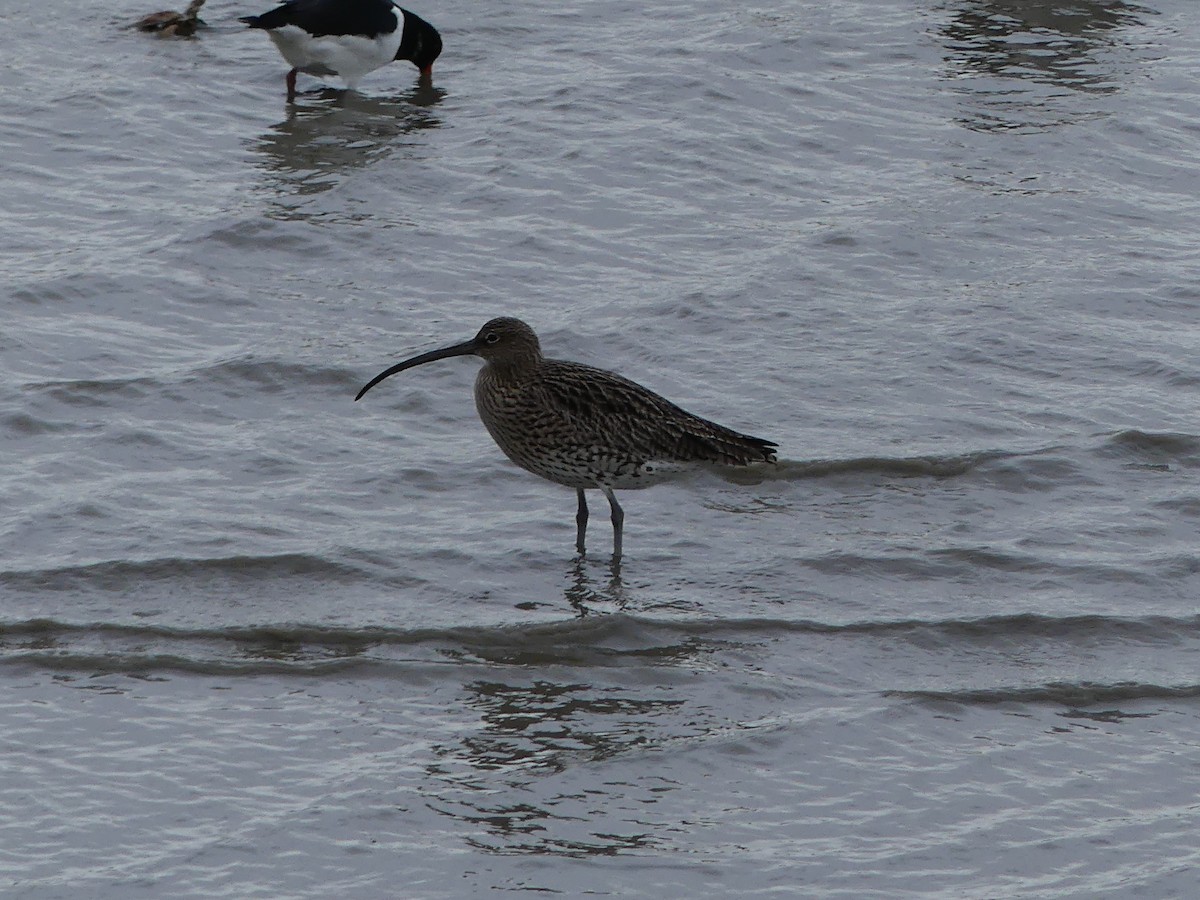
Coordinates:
618 520
580 523
291 85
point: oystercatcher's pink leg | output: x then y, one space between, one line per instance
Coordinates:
291 85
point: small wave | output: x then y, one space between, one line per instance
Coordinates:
969 562
583 629
119 574
98 392
620 626
1156 449
273 375
313 650
898 467
263 375
1066 694
21 425
1017 626
614 640
1018 469
145 664
628 625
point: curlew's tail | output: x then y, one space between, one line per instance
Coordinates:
690 438
764 448
736 449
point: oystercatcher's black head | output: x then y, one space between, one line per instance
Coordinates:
420 44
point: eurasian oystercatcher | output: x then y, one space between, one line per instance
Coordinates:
347 38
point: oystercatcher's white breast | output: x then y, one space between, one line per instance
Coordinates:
348 56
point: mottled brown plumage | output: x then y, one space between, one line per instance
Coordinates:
581 426
173 24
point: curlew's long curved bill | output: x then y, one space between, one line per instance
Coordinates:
464 349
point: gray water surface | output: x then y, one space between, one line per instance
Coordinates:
258 640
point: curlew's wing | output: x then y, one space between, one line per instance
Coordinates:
612 412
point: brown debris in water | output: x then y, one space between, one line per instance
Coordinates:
173 24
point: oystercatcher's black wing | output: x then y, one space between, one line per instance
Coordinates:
365 18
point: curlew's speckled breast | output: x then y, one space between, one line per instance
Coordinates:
585 427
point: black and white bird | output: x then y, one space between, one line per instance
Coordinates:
347 38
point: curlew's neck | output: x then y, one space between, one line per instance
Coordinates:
512 369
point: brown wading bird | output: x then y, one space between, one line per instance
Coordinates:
580 426
173 24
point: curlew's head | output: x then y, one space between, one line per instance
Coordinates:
503 342
507 341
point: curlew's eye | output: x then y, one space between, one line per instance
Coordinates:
491 337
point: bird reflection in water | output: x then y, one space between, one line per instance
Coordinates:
332 133
499 778
1042 52
584 594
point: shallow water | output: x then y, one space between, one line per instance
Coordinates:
258 640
